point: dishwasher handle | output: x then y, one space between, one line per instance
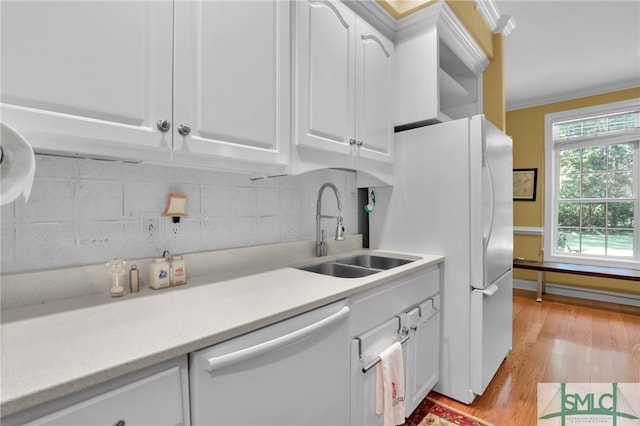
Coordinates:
222 361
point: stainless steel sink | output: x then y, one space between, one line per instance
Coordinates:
374 262
339 270
356 266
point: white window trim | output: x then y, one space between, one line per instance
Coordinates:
550 210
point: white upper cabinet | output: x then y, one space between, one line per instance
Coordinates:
232 82
325 86
89 78
439 70
374 96
343 91
95 77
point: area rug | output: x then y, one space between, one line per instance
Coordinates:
432 413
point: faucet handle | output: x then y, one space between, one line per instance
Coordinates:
340 230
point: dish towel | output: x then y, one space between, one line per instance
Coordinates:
390 386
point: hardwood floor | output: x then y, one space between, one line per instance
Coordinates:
559 340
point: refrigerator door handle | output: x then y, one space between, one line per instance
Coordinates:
488 291
487 233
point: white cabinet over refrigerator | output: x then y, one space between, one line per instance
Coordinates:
453 197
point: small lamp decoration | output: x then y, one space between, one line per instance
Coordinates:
175 206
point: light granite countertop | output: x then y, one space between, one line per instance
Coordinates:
53 349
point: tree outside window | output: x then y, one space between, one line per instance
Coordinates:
593 184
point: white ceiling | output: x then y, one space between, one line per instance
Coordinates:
567 49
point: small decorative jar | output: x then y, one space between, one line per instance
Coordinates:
159 273
178 271
116 272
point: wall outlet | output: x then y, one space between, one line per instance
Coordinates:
174 229
150 226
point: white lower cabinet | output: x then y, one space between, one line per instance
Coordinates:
408 311
155 396
422 360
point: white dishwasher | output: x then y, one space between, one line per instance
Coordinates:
295 372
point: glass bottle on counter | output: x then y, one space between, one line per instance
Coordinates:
116 272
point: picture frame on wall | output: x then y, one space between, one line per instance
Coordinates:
524 184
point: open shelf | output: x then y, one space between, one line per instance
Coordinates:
458 85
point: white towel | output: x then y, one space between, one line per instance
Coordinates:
390 386
18 165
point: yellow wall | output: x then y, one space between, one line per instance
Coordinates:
473 20
493 86
526 127
401 8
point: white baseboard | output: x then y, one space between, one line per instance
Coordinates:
581 293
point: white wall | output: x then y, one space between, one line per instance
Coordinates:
88 211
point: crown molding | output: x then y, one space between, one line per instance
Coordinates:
569 96
388 24
450 28
489 12
505 25
456 36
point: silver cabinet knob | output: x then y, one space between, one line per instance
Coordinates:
184 129
164 125
120 423
352 142
359 144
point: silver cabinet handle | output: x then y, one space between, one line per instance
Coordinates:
359 144
352 141
163 125
184 129
120 423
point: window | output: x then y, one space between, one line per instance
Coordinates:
592 184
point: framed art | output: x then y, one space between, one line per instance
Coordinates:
524 184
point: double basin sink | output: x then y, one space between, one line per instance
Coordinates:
356 266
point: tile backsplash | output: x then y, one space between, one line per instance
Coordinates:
84 211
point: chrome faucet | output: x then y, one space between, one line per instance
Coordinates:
321 245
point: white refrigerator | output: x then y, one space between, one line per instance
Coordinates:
452 196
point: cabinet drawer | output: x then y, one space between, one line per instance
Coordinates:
155 396
379 304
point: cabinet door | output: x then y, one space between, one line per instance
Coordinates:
325 75
88 77
232 81
157 395
374 97
416 80
423 353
